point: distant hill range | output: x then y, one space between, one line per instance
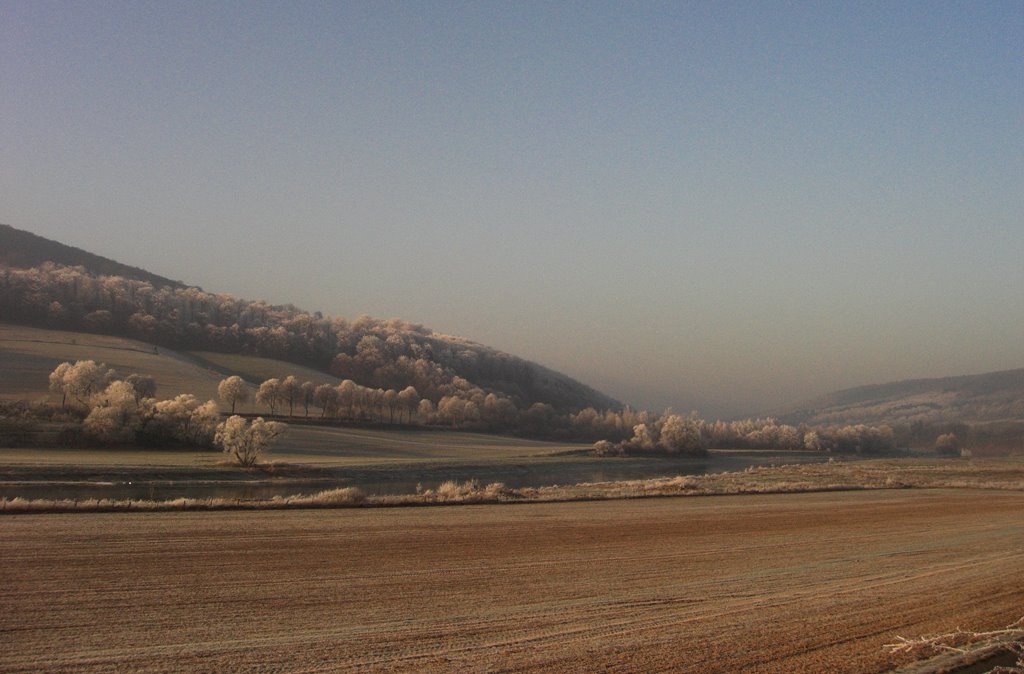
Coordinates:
982 398
90 293
21 249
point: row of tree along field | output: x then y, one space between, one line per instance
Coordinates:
117 410
617 432
379 354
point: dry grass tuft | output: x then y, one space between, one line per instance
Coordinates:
963 642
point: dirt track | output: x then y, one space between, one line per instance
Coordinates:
786 583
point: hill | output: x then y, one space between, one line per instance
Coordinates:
28 355
984 398
21 249
94 297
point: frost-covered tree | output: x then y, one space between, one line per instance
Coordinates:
426 411
291 392
184 418
81 380
232 391
308 391
680 435
58 383
243 442
116 416
390 400
644 437
347 396
605 448
144 385
326 398
409 399
269 394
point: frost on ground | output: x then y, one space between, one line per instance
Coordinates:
803 583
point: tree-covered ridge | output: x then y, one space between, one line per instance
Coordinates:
21 249
386 354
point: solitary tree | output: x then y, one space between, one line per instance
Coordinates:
245 442
233 390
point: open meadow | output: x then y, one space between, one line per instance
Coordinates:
256 369
28 355
784 583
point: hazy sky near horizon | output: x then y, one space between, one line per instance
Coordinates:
725 206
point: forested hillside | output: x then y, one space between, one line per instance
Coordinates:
386 354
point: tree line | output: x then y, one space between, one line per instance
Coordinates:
630 432
613 432
112 409
116 410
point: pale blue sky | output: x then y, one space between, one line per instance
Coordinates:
717 205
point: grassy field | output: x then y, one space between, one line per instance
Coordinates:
350 446
28 355
795 583
325 446
256 370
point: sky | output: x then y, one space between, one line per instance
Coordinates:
721 206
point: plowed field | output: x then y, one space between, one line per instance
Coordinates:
783 583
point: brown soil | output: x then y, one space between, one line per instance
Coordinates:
784 583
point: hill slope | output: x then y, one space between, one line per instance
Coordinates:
385 354
21 249
28 355
982 398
